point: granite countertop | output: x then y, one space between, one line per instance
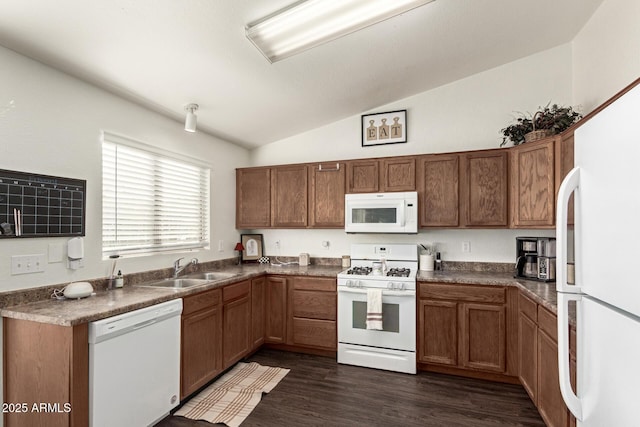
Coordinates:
110 303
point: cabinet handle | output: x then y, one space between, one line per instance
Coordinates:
329 170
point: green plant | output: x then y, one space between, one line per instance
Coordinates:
554 118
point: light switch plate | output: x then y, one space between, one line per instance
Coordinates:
23 264
55 252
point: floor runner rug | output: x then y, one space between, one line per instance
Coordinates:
231 398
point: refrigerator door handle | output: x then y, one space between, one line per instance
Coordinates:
572 401
570 184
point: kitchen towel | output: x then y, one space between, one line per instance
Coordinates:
374 309
231 399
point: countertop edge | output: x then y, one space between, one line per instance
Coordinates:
112 303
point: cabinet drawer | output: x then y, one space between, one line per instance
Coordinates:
548 322
197 302
463 293
235 291
315 333
528 307
327 284
314 304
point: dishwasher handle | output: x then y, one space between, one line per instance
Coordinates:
112 327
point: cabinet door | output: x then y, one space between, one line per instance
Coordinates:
363 176
550 403
438 332
485 189
253 198
398 174
276 305
257 311
289 196
528 355
237 330
482 336
326 195
564 164
439 191
201 349
533 184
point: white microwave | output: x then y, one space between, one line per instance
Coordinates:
381 213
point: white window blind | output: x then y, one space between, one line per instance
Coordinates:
151 201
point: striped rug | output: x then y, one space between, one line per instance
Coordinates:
232 398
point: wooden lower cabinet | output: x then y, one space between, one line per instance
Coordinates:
483 336
201 357
463 326
237 330
46 363
276 310
312 313
438 326
538 357
257 312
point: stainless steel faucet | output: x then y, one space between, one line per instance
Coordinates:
177 268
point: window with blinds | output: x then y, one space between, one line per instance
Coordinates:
152 201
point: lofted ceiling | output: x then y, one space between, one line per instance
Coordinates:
165 54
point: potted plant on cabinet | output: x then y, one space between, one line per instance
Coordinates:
545 122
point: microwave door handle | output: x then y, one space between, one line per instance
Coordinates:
402 214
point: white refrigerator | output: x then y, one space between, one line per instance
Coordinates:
606 190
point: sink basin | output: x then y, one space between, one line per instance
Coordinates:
212 275
175 283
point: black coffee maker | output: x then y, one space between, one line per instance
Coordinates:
535 258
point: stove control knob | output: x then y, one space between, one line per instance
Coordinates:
401 286
349 284
360 284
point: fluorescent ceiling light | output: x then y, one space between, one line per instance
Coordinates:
310 23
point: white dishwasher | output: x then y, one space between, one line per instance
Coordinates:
134 366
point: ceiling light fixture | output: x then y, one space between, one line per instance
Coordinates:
192 120
310 23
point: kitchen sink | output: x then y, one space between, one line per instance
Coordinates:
211 275
175 283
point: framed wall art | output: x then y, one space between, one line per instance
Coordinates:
384 128
253 247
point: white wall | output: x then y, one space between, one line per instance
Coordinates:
54 129
606 53
464 115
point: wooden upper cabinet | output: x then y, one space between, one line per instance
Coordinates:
533 184
398 174
485 188
253 198
289 196
439 199
564 164
363 176
326 195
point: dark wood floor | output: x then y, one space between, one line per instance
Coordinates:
320 392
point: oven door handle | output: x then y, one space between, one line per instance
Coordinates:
385 293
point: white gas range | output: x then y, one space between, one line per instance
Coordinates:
391 268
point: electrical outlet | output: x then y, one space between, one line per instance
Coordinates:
466 246
23 264
277 244
326 244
